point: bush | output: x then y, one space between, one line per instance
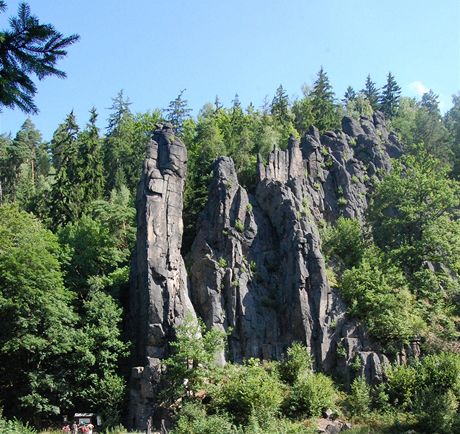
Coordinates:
344 240
402 382
437 413
310 395
441 372
250 388
298 362
359 398
192 419
14 426
378 294
239 226
275 425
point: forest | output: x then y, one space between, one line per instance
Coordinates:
68 228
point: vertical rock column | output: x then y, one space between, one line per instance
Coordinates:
159 297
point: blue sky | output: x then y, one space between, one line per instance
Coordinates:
154 48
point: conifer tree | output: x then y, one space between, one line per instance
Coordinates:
65 198
218 104
91 161
350 95
430 102
322 100
28 47
117 144
371 92
177 112
280 106
389 100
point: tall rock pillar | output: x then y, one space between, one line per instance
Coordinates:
159 297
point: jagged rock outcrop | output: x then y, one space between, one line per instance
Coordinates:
159 297
256 265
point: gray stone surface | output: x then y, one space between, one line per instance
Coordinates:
159 297
256 263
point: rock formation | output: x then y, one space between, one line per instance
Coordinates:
159 297
256 264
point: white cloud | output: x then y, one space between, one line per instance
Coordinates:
418 88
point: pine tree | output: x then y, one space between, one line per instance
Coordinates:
322 101
28 47
217 104
280 106
177 112
371 92
91 161
65 198
350 95
389 100
119 111
5 143
430 101
117 145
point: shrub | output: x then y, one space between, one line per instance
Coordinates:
298 362
378 294
192 419
437 413
193 358
359 398
275 425
310 395
239 226
342 201
246 389
14 426
344 240
222 262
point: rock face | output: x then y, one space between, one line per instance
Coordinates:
159 293
256 264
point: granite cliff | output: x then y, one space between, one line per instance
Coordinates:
256 264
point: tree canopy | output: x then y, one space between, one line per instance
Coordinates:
28 48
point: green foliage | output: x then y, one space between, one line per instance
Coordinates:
389 100
192 419
322 103
410 201
452 123
345 240
275 425
310 395
28 47
371 93
359 399
248 389
193 358
280 106
15 426
177 112
222 262
99 245
38 322
438 412
360 106
239 225
125 144
65 198
378 294
298 362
